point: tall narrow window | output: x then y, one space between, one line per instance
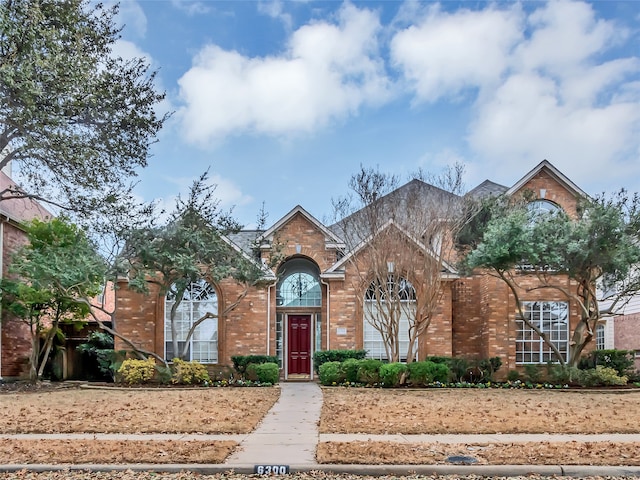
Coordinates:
600 337
199 300
388 307
552 318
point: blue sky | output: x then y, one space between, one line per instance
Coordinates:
284 100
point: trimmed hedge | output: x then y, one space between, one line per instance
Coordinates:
622 361
241 362
325 356
330 373
393 374
268 373
369 371
426 372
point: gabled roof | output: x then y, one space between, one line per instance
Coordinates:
268 274
331 236
487 189
554 172
20 209
338 266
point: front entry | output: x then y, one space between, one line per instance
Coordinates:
299 345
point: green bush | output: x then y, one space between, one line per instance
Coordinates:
133 371
488 367
622 361
532 373
330 373
369 371
601 376
241 362
349 369
189 373
513 375
458 367
268 373
426 372
393 374
565 375
325 356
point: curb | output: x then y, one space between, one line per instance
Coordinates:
577 471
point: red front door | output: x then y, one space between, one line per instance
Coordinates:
299 341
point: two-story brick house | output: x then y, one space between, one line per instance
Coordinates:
309 302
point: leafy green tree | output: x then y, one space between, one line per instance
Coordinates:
77 119
192 245
599 251
48 275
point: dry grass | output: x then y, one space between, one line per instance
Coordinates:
113 451
570 453
198 410
478 411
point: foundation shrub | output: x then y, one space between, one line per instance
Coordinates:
533 373
241 362
458 367
488 367
349 369
393 374
426 372
622 361
325 356
513 375
134 371
330 373
189 373
565 375
369 371
601 376
268 372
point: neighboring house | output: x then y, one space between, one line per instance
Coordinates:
15 342
622 331
311 302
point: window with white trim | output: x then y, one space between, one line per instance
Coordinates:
600 337
199 299
379 300
552 318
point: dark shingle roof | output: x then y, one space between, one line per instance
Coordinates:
486 189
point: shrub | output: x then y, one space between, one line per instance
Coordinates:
601 376
426 372
622 361
565 375
489 366
325 356
513 375
101 358
369 371
532 373
189 373
349 369
330 373
241 362
458 366
268 373
393 374
133 371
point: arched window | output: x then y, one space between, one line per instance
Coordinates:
299 285
390 306
537 208
199 299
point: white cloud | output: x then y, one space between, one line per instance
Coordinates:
445 53
275 9
328 71
132 16
191 7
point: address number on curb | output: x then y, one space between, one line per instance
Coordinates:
271 469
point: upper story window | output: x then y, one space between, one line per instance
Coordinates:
299 285
537 208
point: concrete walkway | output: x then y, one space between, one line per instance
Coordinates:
288 433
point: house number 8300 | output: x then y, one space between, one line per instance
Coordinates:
271 469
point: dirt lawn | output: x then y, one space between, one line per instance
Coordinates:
377 411
195 410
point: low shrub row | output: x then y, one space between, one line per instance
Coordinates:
376 372
325 356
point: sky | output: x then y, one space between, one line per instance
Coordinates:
283 101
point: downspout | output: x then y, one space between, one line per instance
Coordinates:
269 319
328 309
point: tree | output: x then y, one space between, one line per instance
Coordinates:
191 246
77 120
598 251
58 266
399 245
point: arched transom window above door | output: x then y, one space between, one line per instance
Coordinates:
299 284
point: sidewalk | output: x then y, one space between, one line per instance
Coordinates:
288 435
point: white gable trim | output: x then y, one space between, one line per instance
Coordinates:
557 174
